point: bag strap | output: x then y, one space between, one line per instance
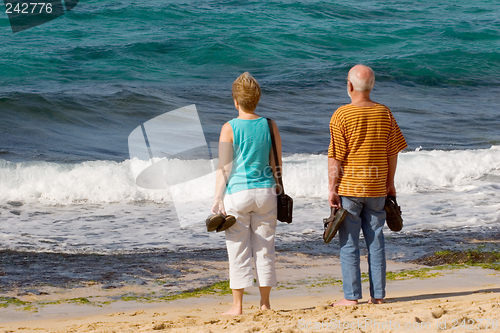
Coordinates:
278 174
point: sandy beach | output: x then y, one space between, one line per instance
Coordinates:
420 299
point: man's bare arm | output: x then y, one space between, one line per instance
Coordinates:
333 179
393 162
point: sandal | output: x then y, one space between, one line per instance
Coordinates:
393 214
229 220
214 221
219 222
333 223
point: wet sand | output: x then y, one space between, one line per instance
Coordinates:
419 299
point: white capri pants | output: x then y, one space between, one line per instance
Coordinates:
252 234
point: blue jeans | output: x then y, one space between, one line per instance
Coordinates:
367 214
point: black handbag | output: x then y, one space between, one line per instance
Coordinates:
285 202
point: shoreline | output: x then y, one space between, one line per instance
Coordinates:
307 284
187 291
187 269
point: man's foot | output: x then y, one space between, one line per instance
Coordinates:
376 300
345 302
234 311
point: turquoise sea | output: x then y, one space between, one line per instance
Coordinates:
73 89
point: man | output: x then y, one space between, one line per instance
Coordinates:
362 158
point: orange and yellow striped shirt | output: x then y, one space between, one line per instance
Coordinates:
362 138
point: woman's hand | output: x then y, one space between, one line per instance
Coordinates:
218 208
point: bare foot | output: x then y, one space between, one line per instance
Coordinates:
234 311
265 306
376 300
345 302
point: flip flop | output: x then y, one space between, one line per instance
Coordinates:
333 223
229 220
393 214
214 221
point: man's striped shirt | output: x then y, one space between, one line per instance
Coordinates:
362 138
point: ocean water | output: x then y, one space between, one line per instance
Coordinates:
96 207
72 91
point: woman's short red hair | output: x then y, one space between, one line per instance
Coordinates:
246 91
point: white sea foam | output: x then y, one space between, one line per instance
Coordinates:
96 206
305 176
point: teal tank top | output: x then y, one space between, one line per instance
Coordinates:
251 148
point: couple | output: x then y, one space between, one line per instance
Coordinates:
362 158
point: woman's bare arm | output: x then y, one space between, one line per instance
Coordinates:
224 167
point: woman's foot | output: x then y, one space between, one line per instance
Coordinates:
237 307
265 306
234 311
264 298
376 300
345 302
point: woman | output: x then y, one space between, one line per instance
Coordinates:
246 178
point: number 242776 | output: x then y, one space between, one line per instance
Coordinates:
28 8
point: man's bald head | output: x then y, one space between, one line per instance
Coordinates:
362 78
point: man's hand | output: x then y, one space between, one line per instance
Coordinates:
391 190
334 199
